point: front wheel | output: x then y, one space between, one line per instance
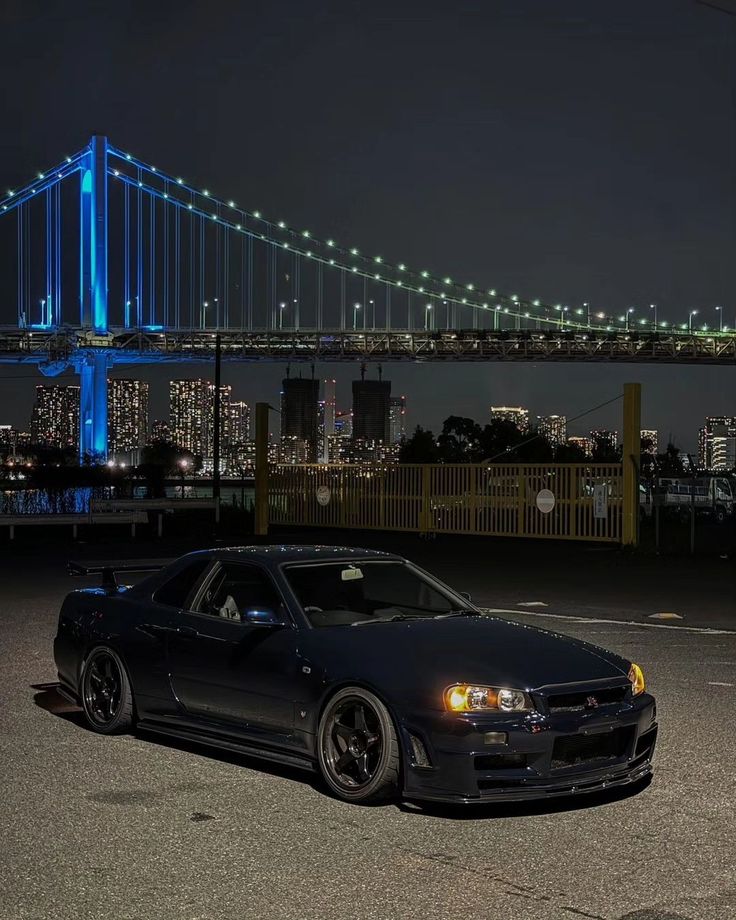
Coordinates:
107 698
357 747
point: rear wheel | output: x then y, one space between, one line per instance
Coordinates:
107 699
357 747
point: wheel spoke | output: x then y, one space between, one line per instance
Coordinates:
342 762
342 731
360 723
362 763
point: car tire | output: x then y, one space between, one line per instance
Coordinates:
106 693
358 748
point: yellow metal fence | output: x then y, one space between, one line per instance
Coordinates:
495 500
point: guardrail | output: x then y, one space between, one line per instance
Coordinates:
55 520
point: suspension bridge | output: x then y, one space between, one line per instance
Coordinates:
117 262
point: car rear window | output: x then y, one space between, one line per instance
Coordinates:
177 589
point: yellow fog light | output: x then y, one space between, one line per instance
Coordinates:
636 676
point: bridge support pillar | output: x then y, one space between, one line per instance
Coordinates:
93 237
631 458
93 407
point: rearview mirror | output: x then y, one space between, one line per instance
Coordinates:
262 616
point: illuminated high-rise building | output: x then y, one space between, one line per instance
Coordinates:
716 426
192 410
55 416
127 414
239 423
327 413
553 428
517 415
604 440
160 430
650 437
371 401
396 419
299 417
584 444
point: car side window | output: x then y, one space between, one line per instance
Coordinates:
176 590
235 589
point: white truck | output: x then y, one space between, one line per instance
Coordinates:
712 495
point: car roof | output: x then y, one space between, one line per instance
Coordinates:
278 553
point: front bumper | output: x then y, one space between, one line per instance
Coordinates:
543 756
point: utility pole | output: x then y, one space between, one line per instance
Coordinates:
216 429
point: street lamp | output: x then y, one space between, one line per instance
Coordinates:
690 320
628 318
653 306
427 316
282 307
183 464
719 311
373 315
202 317
356 307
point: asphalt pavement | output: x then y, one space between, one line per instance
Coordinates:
134 828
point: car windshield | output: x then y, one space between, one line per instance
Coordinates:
348 594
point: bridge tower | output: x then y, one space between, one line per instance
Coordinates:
93 363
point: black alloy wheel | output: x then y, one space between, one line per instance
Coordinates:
358 748
106 695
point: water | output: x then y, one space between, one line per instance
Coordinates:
77 500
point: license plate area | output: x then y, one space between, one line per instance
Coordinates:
591 750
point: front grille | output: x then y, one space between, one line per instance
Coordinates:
587 699
571 750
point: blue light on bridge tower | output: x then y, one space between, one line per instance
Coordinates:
93 300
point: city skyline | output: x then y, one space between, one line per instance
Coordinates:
311 417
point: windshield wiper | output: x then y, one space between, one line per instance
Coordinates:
391 619
465 612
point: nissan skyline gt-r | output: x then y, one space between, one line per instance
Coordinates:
356 664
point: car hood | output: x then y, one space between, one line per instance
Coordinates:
484 650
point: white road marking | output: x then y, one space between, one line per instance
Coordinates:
707 630
531 604
718 683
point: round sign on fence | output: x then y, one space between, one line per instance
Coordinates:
323 495
545 500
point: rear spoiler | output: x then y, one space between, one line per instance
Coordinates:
108 570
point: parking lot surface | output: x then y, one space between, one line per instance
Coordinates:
134 827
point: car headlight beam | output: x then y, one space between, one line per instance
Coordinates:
636 676
478 698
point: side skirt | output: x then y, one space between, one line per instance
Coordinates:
228 744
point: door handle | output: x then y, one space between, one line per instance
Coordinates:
188 631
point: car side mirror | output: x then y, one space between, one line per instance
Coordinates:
262 616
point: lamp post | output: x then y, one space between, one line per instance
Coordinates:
356 307
690 320
202 317
282 307
183 464
372 304
653 306
427 317
719 311
628 318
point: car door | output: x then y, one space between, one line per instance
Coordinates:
226 669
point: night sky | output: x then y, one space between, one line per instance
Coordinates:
568 150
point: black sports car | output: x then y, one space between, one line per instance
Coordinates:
359 665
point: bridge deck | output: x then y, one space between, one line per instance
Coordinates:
145 346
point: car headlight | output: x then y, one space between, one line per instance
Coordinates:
472 698
636 676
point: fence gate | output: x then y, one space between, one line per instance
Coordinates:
565 501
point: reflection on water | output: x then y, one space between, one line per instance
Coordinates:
77 500
52 501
